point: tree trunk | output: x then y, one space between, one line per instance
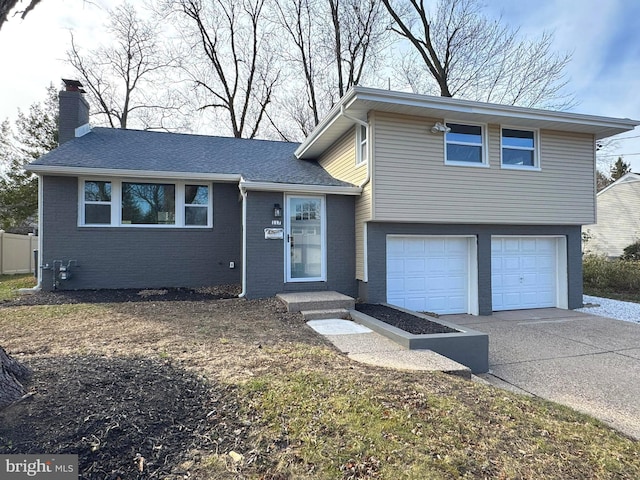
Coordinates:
11 373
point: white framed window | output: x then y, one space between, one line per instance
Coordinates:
96 195
519 148
465 144
362 145
145 203
196 205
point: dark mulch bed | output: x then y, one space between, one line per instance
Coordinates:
402 320
110 410
62 297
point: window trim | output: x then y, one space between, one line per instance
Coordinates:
536 149
84 202
483 145
362 159
116 203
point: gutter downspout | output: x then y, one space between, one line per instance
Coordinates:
362 184
38 267
243 192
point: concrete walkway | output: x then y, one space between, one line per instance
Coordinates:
589 363
363 345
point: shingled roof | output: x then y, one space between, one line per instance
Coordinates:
135 150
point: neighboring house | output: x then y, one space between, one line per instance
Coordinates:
431 203
618 218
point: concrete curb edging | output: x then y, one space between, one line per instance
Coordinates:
468 347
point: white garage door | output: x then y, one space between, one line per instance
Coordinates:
428 273
524 272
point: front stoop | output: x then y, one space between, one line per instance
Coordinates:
339 313
304 301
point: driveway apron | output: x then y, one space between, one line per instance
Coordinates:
589 363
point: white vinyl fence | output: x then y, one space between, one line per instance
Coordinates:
16 253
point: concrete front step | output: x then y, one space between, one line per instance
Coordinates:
299 301
340 313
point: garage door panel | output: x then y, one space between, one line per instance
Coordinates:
415 284
436 265
524 272
434 275
457 265
395 285
414 247
414 265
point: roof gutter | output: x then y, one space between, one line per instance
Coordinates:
326 123
299 188
117 172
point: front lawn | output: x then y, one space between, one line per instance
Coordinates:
243 389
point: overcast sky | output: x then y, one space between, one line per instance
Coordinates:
604 36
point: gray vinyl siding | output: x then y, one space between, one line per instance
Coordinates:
265 258
412 183
618 220
375 291
131 257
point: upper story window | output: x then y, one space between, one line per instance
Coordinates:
464 144
519 148
362 141
130 203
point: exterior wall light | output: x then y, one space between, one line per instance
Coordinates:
277 211
440 128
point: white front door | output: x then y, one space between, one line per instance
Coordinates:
528 272
305 256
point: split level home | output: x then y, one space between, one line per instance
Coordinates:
618 218
430 203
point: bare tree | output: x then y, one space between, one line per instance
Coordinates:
471 56
327 56
6 6
126 79
231 63
359 30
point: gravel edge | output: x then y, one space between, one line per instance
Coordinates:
627 311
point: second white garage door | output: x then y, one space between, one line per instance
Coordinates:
430 273
526 272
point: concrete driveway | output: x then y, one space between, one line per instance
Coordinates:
589 363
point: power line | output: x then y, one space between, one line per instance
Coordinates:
625 138
619 155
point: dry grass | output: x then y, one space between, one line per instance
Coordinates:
9 284
312 413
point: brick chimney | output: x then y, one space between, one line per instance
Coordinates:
74 110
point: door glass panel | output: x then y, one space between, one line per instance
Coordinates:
305 238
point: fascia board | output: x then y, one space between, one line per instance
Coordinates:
598 125
115 172
447 104
326 123
299 188
618 181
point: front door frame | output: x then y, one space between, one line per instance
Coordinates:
287 239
